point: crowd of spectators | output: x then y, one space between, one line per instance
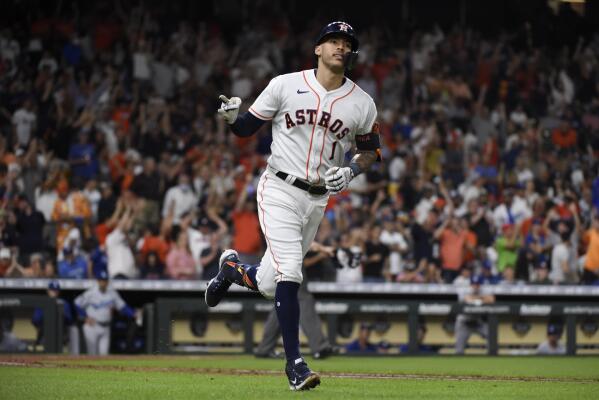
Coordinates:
112 156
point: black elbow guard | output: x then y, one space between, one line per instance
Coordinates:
370 141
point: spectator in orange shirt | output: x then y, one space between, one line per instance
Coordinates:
153 242
121 116
71 210
246 226
564 137
590 275
452 242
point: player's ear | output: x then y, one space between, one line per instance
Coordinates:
317 50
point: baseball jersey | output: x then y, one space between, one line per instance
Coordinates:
98 305
312 128
546 348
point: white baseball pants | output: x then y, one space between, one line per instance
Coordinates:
97 339
289 218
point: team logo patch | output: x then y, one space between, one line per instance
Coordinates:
343 27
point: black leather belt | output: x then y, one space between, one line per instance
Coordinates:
312 189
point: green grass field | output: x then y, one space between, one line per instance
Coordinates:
244 377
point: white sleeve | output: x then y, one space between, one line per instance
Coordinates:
403 244
268 102
114 237
118 300
82 300
368 120
385 238
167 199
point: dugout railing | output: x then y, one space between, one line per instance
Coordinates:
168 303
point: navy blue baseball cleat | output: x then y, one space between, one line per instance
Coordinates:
218 286
300 376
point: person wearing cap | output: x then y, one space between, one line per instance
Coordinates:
73 265
467 324
362 344
318 116
552 346
95 307
70 323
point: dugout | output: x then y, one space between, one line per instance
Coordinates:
176 320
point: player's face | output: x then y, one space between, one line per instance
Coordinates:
331 53
102 284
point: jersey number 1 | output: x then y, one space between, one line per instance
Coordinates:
333 150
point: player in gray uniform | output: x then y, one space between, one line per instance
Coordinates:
552 345
465 324
318 115
95 306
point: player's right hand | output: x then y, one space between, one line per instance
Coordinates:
337 179
229 108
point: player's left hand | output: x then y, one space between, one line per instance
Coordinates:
337 179
229 108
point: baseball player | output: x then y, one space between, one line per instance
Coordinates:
317 116
465 325
95 307
70 323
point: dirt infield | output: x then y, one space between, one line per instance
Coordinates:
57 361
